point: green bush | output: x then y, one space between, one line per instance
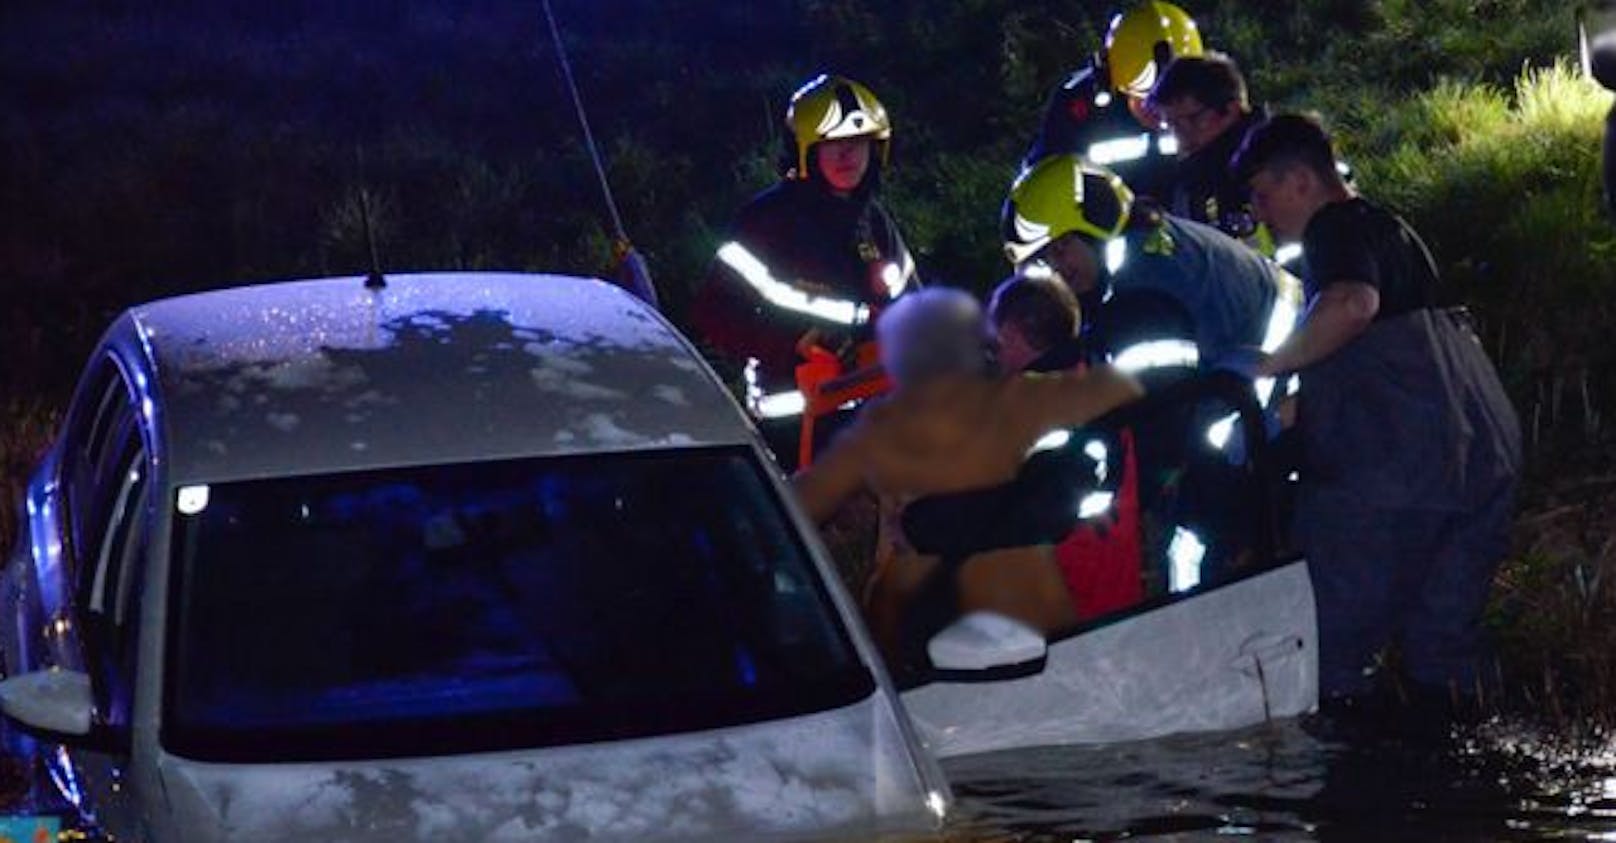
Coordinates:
1504 185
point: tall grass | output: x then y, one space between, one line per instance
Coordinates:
1504 185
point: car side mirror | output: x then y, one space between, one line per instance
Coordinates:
986 646
55 706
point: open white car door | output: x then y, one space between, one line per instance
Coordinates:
1233 646
1229 657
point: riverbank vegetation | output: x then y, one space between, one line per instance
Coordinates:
154 150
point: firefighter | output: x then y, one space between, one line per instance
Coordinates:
1098 111
1177 293
1203 101
809 262
1411 448
1175 297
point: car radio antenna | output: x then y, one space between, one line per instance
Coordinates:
374 279
633 274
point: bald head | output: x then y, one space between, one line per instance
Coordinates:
932 332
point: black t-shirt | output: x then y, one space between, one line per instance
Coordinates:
1356 240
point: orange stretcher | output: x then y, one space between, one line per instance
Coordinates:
826 385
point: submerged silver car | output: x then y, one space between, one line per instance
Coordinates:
465 557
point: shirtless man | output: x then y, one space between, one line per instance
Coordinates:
953 425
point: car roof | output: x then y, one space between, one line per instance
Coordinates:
310 377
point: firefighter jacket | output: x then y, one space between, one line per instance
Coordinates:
1204 189
798 259
1187 295
1084 117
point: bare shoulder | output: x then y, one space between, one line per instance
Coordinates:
1112 383
1072 398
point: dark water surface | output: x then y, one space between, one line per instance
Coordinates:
1500 780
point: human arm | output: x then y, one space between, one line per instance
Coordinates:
781 272
1341 312
731 323
1070 399
835 475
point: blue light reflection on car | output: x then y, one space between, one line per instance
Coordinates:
447 608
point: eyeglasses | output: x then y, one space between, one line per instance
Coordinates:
1183 119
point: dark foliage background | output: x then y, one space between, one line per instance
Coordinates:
154 147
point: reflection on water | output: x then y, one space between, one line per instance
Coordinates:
1501 780
1497 781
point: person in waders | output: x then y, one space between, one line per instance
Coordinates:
1411 449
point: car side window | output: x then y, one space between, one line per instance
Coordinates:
109 611
98 435
105 480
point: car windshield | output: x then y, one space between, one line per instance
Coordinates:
471 607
